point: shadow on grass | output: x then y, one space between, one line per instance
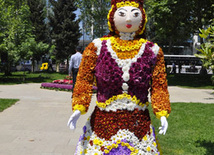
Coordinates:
208 145
20 80
37 77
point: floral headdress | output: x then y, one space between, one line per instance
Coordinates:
115 4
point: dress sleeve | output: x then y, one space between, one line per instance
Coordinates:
159 92
82 93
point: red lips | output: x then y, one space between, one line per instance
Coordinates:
128 26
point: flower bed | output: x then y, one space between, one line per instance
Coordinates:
65 81
59 85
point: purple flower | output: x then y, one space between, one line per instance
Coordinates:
120 150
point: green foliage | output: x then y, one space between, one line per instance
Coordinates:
65 28
172 22
15 31
37 18
207 48
21 34
94 16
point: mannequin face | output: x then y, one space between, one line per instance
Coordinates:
127 19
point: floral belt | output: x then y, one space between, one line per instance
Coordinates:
122 102
106 124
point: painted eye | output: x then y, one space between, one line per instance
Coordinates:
122 14
136 14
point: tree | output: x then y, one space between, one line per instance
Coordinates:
207 48
201 13
16 30
94 16
173 21
37 18
169 21
65 28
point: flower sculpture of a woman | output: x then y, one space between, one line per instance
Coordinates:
126 66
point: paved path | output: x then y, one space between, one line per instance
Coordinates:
36 125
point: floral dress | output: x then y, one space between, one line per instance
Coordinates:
125 71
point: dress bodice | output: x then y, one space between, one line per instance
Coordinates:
132 76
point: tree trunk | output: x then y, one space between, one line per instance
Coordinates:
7 70
170 46
33 65
57 67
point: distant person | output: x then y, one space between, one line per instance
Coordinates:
74 64
173 70
50 64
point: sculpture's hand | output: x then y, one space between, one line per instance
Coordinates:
73 119
164 125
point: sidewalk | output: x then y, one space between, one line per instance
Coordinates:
36 125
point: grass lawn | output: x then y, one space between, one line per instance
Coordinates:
190 130
17 77
5 103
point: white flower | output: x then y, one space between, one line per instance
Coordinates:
126 77
155 49
125 86
98 44
125 68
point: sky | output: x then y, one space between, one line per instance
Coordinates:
85 36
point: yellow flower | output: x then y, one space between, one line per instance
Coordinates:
145 138
134 99
96 141
114 146
108 102
123 48
127 144
141 104
154 144
162 113
79 107
88 138
100 143
118 142
101 104
125 95
129 97
106 151
120 96
131 148
147 104
138 101
109 26
118 5
148 148
109 147
127 3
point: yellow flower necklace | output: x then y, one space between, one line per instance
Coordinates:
126 49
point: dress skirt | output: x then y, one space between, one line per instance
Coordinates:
118 132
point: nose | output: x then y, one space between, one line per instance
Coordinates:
128 18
